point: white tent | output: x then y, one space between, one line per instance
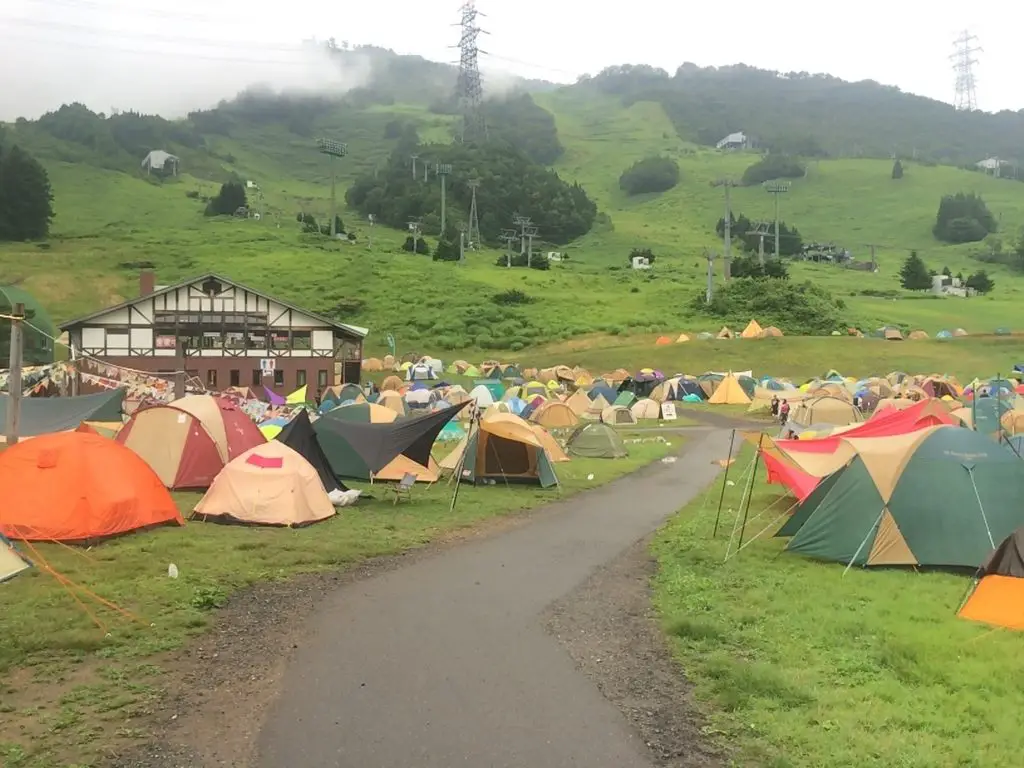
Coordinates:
11 562
420 372
482 395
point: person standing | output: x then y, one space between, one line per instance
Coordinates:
784 412
775 406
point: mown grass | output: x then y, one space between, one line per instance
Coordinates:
69 690
800 666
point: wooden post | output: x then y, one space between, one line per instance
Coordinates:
14 378
75 374
179 377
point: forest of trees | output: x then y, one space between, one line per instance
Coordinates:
26 201
510 184
812 115
963 218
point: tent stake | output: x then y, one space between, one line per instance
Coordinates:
725 481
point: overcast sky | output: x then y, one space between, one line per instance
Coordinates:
172 56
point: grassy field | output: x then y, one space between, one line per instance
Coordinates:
799 666
795 357
108 223
68 691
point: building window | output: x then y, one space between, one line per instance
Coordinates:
321 379
300 379
278 377
257 377
279 340
302 340
236 377
211 378
256 340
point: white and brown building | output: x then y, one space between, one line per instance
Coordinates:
222 333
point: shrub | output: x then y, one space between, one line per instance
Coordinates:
797 309
419 245
230 198
963 218
773 167
642 253
512 296
652 174
750 266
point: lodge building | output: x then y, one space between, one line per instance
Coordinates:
222 333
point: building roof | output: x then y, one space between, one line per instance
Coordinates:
157 158
989 164
352 330
733 138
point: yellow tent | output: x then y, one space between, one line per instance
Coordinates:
725 333
579 402
682 338
752 331
729 392
298 397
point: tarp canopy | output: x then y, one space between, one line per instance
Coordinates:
362 450
299 435
43 415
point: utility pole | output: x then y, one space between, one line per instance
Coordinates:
442 170
426 171
727 235
874 260
14 378
414 227
372 219
414 159
776 188
522 222
474 218
333 149
531 232
508 236
709 292
462 244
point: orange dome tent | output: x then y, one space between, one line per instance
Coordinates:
76 486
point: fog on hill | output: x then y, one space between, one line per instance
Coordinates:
108 79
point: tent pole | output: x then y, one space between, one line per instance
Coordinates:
736 520
459 466
867 536
725 480
753 477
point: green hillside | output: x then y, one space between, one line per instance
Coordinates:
111 220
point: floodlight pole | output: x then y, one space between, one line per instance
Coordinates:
333 149
442 170
727 234
776 188
709 293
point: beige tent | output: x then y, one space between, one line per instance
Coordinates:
917 335
549 444
579 402
893 334
771 332
729 392
389 398
391 383
388 362
598 406
373 364
617 415
825 410
555 415
752 331
270 484
11 562
725 333
399 466
682 338
646 409
959 332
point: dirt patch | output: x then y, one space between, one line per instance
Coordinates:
609 628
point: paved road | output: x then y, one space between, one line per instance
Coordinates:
445 663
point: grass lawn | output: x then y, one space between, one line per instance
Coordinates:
798 665
68 690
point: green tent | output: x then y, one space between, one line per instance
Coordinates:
494 386
946 498
596 441
625 399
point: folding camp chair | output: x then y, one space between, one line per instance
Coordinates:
403 488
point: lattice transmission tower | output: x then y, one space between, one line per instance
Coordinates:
963 64
469 88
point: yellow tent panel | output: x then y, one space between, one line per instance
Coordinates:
752 331
729 392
